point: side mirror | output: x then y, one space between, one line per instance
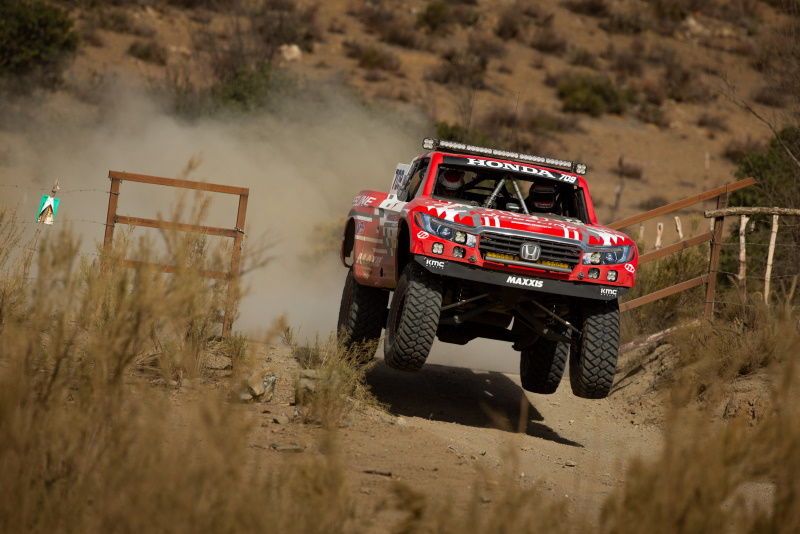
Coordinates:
513 206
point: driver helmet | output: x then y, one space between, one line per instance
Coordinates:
451 181
543 196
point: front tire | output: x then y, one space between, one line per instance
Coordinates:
362 313
413 319
542 365
593 365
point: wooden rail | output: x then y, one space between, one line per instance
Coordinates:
237 232
714 236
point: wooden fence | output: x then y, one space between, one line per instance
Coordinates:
744 216
715 236
237 232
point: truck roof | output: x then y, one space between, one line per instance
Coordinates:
463 148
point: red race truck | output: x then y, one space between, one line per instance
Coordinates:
474 242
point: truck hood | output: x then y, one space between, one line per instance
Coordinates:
483 220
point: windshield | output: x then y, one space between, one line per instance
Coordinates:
510 191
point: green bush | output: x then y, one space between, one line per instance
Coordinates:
247 89
776 173
594 95
35 39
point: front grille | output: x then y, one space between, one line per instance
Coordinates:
510 244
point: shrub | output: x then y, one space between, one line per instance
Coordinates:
544 121
625 23
114 20
245 90
584 58
651 203
629 170
593 95
485 46
465 16
435 17
456 132
627 64
771 95
652 114
712 122
149 51
509 24
738 148
401 33
682 83
35 39
337 381
547 41
461 69
592 8
280 22
372 57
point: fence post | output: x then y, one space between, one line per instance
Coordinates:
111 216
768 274
713 261
659 234
236 257
742 276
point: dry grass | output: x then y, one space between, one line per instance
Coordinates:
697 484
87 447
336 384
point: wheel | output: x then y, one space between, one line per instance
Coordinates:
361 313
542 365
593 365
413 319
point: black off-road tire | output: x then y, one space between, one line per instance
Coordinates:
542 365
593 365
362 313
413 319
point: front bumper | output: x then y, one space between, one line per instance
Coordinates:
452 269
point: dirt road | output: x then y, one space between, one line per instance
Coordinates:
446 425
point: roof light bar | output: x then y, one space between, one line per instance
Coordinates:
432 144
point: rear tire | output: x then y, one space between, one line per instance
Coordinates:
413 319
362 313
542 365
593 365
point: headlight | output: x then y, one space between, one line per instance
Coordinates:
444 230
608 255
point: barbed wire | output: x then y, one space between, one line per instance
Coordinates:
773 277
758 245
60 191
61 221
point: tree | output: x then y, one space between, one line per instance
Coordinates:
36 39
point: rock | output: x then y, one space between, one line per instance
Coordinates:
258 387
290 52
281 419
570 463
400 421
262 384
217 362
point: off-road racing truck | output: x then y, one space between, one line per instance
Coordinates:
474 242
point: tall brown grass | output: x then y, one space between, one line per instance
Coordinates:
699 482
87 446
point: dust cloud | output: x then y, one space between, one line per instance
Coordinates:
303 165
